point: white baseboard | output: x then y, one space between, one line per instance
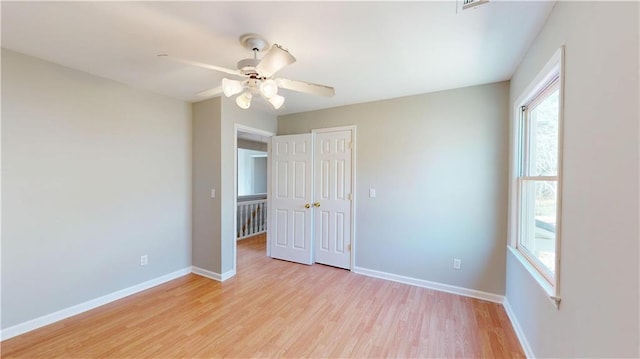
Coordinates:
228 274
213 275
518 329
431 285
88 305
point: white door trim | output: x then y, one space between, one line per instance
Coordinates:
256 131
351 128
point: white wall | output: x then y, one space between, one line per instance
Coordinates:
94 175
599 281
438 163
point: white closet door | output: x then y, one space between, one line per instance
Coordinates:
332 198
290 231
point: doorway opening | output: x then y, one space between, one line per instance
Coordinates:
251 216
251 178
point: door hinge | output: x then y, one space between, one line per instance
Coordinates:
349 247
350 197
350 145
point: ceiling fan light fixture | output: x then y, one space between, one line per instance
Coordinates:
231 87
244 101
276 101
269 88
258 74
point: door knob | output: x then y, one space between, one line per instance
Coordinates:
307 206
317 204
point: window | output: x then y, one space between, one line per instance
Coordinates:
536 172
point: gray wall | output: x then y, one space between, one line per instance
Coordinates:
260 175
252 172
206 176
252 145
95 174
598 315
438 163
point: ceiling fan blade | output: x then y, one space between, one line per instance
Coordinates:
274 60
200 64
306 87
211 92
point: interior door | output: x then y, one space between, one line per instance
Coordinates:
290 226
332 198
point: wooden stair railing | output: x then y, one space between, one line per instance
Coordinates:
252 218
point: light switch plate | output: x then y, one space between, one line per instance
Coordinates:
213 193
372 192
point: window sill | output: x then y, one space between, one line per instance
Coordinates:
549 290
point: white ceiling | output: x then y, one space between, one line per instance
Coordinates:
367 50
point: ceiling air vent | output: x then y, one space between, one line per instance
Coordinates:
469 4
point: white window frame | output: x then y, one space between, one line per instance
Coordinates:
551 73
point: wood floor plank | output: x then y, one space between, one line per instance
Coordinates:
274 308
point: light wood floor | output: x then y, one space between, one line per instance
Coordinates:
274 308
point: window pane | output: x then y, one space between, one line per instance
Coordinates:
538 221
543 155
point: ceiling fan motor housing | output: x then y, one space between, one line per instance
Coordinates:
248 66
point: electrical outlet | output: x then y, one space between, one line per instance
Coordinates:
456 263
144 260
372 193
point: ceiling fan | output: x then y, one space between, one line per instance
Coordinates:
258 75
